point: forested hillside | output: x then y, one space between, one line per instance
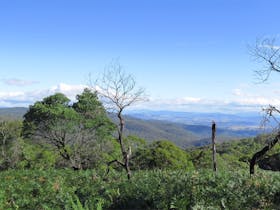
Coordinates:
57 157
14 112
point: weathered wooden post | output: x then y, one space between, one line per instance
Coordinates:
214 146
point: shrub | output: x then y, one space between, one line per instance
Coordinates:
152 189
161 155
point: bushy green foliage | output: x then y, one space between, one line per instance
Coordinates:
78 132
10 135
93 113
52 189
161 155
202 159
34 156
154 189
77 205
28 189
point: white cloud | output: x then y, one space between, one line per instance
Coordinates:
258 101
191 100
26 98
237 92
239 103
11 94
69 90
275 47
18 82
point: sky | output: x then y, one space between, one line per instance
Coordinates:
188 55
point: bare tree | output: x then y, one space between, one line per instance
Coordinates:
267 52
118 91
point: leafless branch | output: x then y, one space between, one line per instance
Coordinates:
271 117
117 88
267 52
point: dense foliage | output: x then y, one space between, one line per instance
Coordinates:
154 189
161 155
78 132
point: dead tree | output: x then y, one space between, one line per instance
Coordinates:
214 146
118 91
257 156
267 52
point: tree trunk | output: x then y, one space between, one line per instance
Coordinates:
3 146
125 154
214 146
127 167
257 156
4 137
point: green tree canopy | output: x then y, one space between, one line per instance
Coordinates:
74 130
163 155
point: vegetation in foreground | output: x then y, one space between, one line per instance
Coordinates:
153 189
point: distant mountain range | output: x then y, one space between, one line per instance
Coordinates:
183 128
182 134
194 129
239 120
14 112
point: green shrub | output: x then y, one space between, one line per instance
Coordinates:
161 155
151 189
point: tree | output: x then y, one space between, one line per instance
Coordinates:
75 131
10 132
267 52
118 91
161 155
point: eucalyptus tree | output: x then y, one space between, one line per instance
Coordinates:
73 130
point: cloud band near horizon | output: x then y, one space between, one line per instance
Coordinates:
239 102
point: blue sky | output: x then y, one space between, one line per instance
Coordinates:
188 55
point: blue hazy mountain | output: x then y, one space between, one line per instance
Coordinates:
234 121
13 112
184 135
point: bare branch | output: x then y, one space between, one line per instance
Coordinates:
271 117
117 89
267 52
